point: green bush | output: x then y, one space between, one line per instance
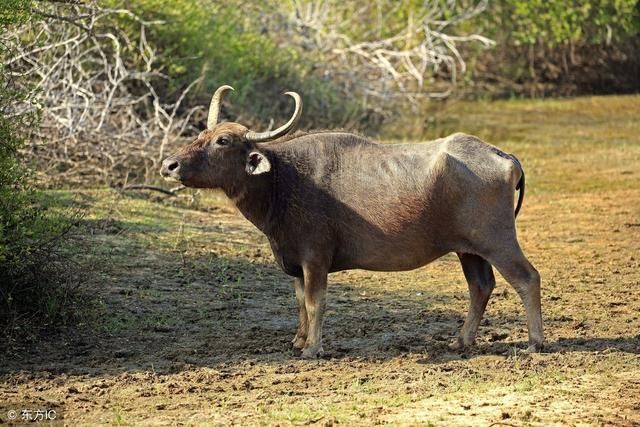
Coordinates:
34 272
539 43
558 48
555 22
223 42
14 11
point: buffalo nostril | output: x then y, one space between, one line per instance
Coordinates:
172 166
169 167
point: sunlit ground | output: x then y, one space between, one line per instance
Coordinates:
194 320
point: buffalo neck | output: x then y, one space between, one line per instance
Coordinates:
253 196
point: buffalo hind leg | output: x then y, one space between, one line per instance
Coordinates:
525 279
481 281
301 334
315 299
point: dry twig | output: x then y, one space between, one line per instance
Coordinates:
96 87
420 59
170 192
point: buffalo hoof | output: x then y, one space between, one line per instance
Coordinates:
298 342
535 347
458 344
312 353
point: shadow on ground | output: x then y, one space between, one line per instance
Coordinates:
228 311
164 306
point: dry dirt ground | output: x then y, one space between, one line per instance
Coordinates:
193 321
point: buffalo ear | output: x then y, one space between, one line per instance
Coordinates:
257 163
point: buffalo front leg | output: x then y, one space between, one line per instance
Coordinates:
481 281
315 300
301 334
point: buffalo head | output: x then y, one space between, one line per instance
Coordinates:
224 152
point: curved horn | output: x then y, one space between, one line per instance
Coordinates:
214 108
266 136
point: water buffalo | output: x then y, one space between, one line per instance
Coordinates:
331 201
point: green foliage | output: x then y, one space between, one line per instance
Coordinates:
32 269
231 42
223 42
14 11
556 48
13 197
553 22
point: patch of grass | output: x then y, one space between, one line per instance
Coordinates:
119 417
41 274
297 414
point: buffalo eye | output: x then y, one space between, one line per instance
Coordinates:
223 140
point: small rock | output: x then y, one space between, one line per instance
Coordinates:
498 336
123 353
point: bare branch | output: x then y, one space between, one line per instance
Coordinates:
73 2
415 61
95 85
170 192
71 20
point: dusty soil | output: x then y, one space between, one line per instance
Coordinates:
194 320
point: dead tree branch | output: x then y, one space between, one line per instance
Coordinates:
419 58
170 192
95 84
